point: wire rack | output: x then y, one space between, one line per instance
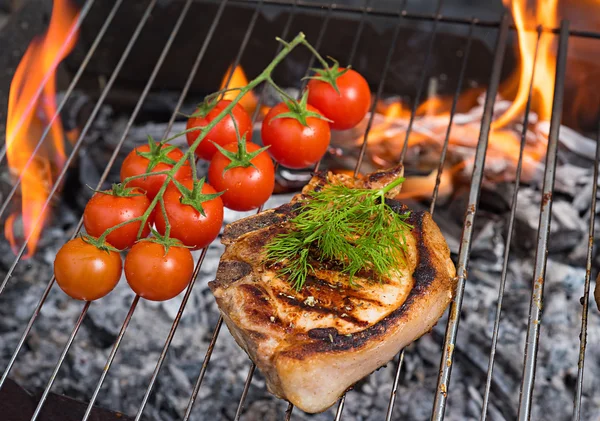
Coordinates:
368 10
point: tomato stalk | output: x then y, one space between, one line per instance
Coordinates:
264 76
328 74
118 190
194 197
164 213
298 110
240 158
315 53
145 175
106 233
281 92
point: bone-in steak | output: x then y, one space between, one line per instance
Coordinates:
312 345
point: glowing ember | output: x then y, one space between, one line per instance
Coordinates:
31 106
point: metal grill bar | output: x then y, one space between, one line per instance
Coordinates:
318 43
363 148
62 103
439 405
244 43
452 328
286 30
174 326
586 289
197 269
359 31
461 78
182 96
240 407
84 132
421 80
288 412
507 243
145 92
413 113
340 408
535 306
73 31
217 328
103 95
390 54
422 17
63 354
317 46
68 92
111 357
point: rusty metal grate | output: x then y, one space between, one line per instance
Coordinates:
365 12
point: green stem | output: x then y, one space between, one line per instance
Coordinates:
281 91
390 186
193 129
264 76
106 233
235 127
133 177
192 160
316 54
165 217
221 92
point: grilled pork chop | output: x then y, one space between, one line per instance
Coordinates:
312 345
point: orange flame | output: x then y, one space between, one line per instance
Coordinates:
238 80
527 19
432 117
31 106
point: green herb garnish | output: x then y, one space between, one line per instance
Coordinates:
353 227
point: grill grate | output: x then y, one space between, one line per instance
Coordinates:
365 12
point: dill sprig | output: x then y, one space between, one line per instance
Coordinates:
352 227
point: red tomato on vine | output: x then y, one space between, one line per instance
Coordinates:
86 272
297 133
112 207
194 211
223 133
158 270
152 158
342 95
246 174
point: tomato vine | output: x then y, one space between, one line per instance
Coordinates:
170 180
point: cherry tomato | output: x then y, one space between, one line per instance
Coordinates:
85 272
155 275
187 224
347 108
106 209
294 145
245 188
223 133
134 164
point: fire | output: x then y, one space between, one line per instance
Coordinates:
31 106
430 126
543 82
238 80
